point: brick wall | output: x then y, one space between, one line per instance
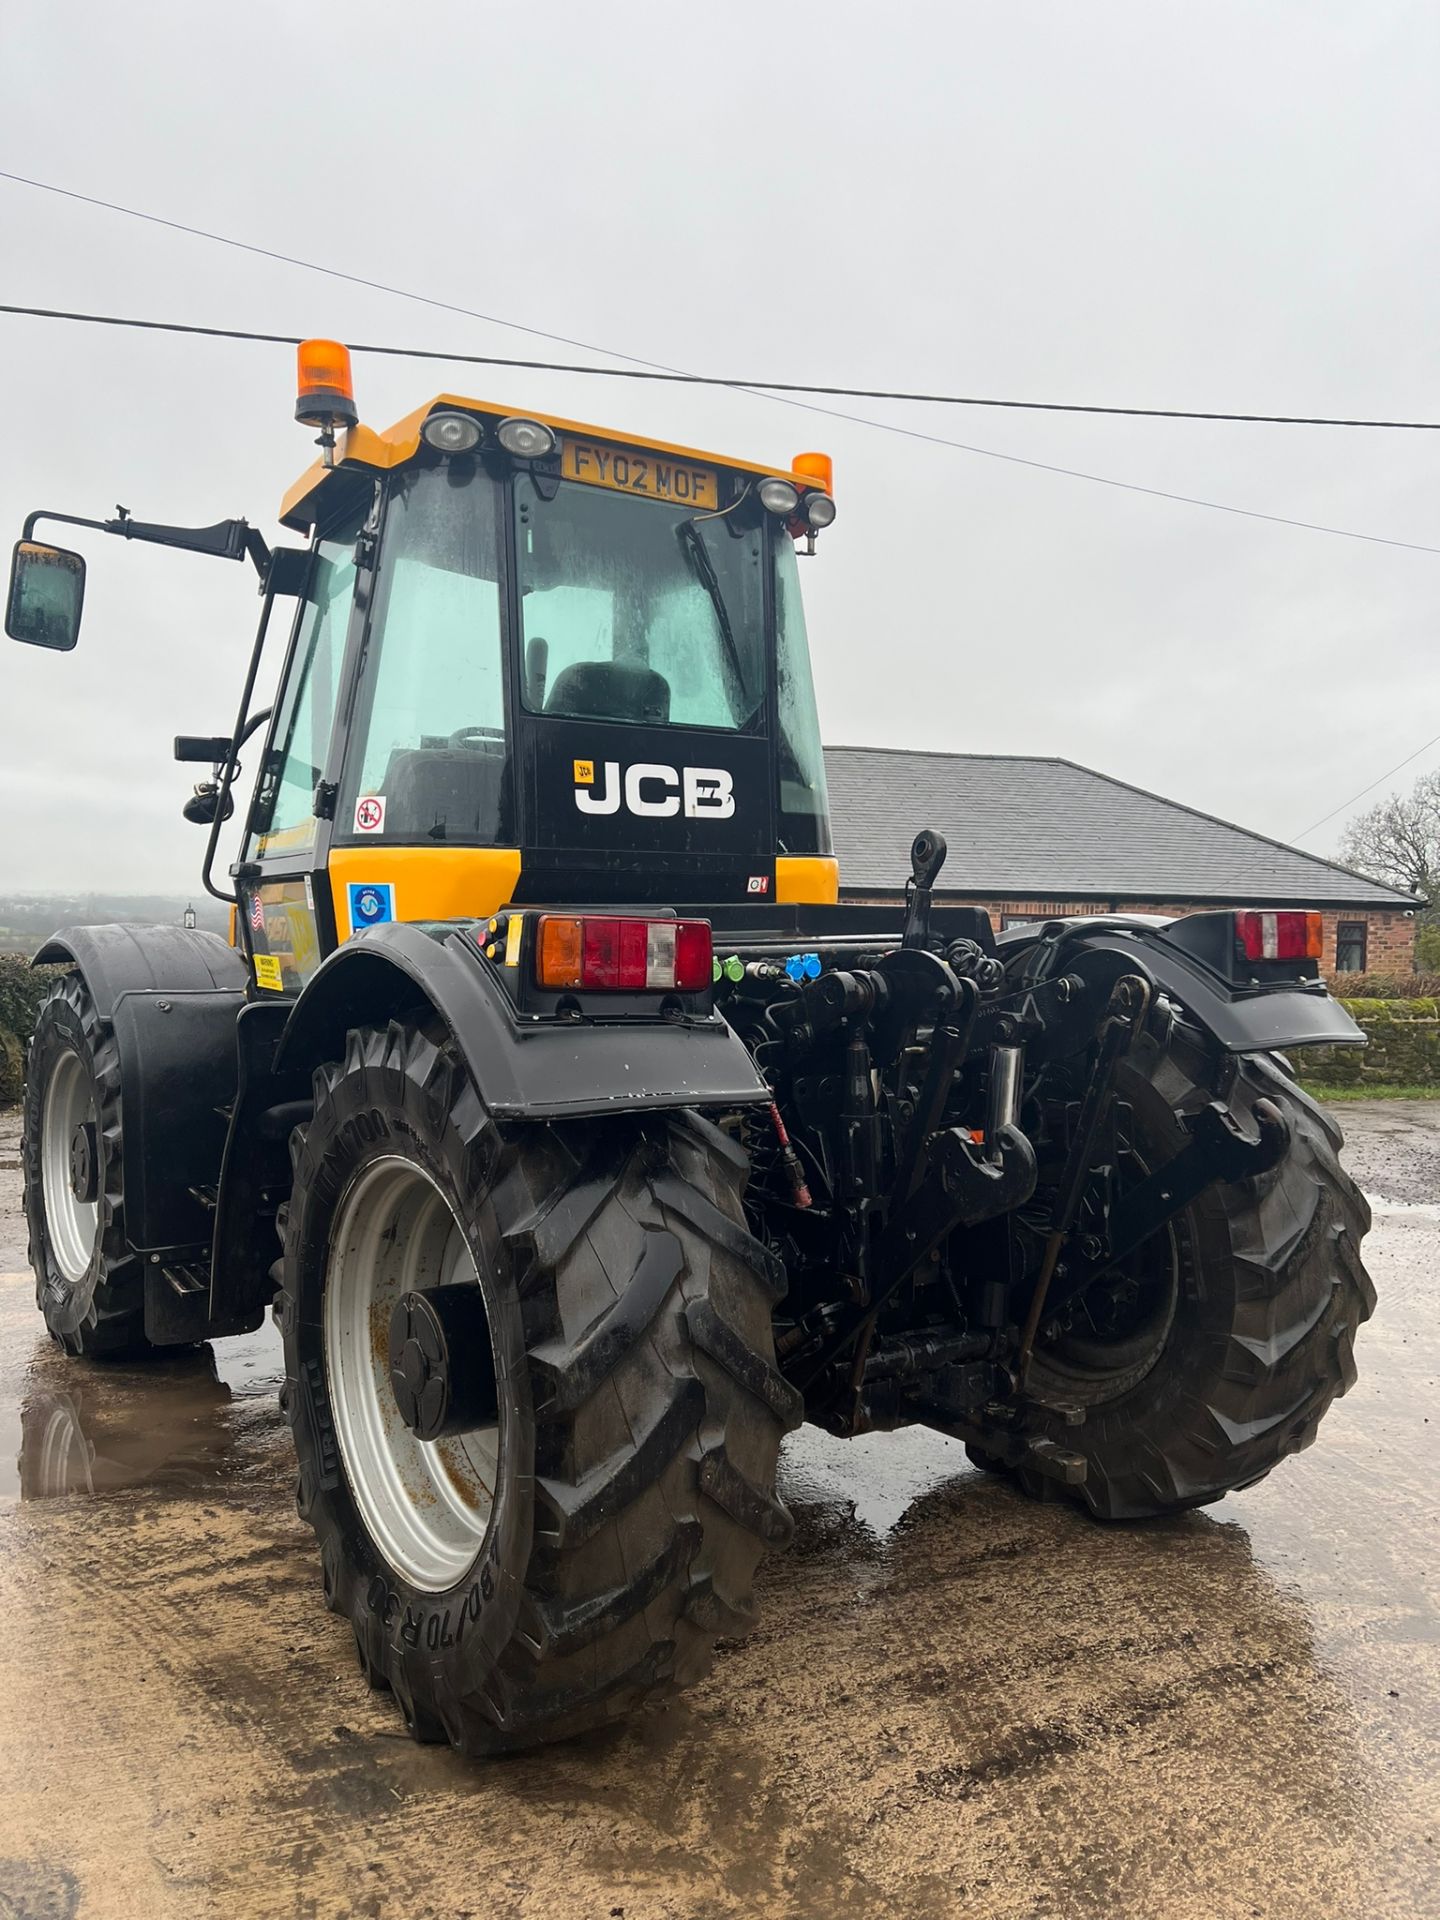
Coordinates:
1389 937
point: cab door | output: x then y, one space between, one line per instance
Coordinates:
288 924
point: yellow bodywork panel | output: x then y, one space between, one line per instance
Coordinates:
431 883
363 447
470 883
807 880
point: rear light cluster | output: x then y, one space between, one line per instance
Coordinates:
623 956
1279 936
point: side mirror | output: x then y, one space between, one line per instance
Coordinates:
47 591
203 805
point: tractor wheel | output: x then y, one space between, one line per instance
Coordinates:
1217 1349
530 1375
88 1284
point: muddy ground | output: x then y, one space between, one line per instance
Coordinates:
957 1703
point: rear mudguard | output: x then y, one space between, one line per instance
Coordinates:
526 1068
1243 1020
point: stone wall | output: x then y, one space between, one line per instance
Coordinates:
1403 1048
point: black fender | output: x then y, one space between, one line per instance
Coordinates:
1242 1019
526 1068
171 996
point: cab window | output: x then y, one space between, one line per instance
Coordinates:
429 760
636 610
284 818
804 814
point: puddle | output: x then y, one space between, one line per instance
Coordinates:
191 1420
873 1479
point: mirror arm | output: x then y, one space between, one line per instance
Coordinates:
227 539
245 724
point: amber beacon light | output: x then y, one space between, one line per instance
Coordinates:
325 390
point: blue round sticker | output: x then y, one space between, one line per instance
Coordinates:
371 904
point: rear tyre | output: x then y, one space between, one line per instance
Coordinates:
1240 1334
577 1548
88 1284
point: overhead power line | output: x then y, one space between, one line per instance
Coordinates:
1344 804
883 426
782 398
654 370
644 372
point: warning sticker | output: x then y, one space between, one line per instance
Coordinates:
267 973
372 903
370 813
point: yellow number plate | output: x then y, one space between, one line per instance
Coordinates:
653 475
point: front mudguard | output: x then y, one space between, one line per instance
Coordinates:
526 1067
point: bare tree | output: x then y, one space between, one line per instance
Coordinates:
1398 841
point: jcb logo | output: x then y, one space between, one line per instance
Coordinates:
655 792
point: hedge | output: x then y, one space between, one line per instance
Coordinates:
1385 986
22 988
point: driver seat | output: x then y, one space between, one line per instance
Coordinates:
458 790
611 690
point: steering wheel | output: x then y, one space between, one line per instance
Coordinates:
467 736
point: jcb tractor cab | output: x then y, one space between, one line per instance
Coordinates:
583 1143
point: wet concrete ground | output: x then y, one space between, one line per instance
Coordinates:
957 1702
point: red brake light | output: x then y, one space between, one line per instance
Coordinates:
1279 936
605 954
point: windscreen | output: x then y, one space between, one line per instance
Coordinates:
636 610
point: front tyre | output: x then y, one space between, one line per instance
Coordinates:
1220 1350
530 1376
89 1286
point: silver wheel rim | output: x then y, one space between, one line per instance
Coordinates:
426 1504
73 1225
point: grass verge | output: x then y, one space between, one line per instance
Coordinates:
1338 1096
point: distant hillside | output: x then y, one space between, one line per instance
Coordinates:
27 918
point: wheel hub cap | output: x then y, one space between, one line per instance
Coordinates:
440 1362
84 1165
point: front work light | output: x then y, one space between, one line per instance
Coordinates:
778 496
324 386
451 432
526 439
1279 936
605 955
819 511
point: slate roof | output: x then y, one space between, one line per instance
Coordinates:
1020 827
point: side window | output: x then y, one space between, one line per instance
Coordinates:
1350 946
428 755
804 822
285 805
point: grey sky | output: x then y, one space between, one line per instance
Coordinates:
1217 206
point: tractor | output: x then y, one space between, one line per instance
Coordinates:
581 1139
